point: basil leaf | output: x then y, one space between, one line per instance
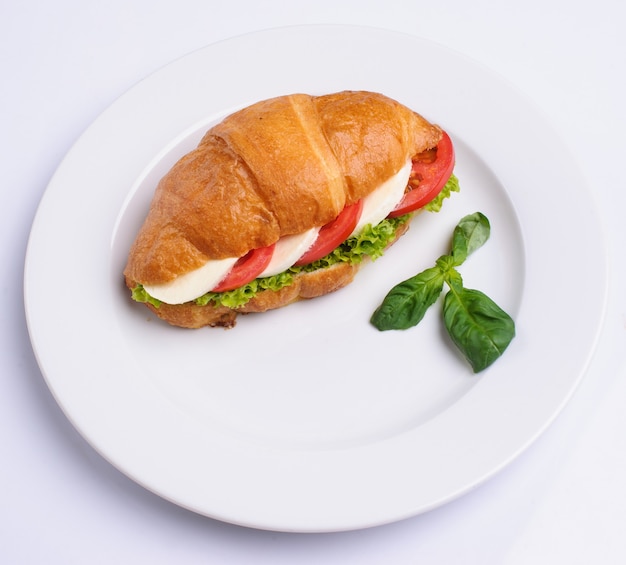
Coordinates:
407 302
477 326
470 234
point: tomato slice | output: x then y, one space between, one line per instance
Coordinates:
333 233
428 177
246 269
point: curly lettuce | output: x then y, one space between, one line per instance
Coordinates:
451 186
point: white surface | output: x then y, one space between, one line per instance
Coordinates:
374 436
562 501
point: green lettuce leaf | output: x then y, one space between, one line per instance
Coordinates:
140 294
451 186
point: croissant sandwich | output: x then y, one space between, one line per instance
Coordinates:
283 201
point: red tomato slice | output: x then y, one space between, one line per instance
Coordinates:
247 268
427 178
333 233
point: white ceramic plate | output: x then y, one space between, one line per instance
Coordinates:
307 418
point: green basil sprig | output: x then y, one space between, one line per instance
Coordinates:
476 324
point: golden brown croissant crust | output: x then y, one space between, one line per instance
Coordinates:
278 167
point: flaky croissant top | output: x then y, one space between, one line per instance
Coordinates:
278 167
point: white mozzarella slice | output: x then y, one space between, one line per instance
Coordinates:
288 250
194 284
378 204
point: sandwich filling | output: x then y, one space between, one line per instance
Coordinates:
286 252
371 242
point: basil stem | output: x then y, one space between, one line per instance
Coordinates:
477 326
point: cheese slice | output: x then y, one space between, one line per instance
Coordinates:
378 204
193 284
288 250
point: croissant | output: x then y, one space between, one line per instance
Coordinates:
281 167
